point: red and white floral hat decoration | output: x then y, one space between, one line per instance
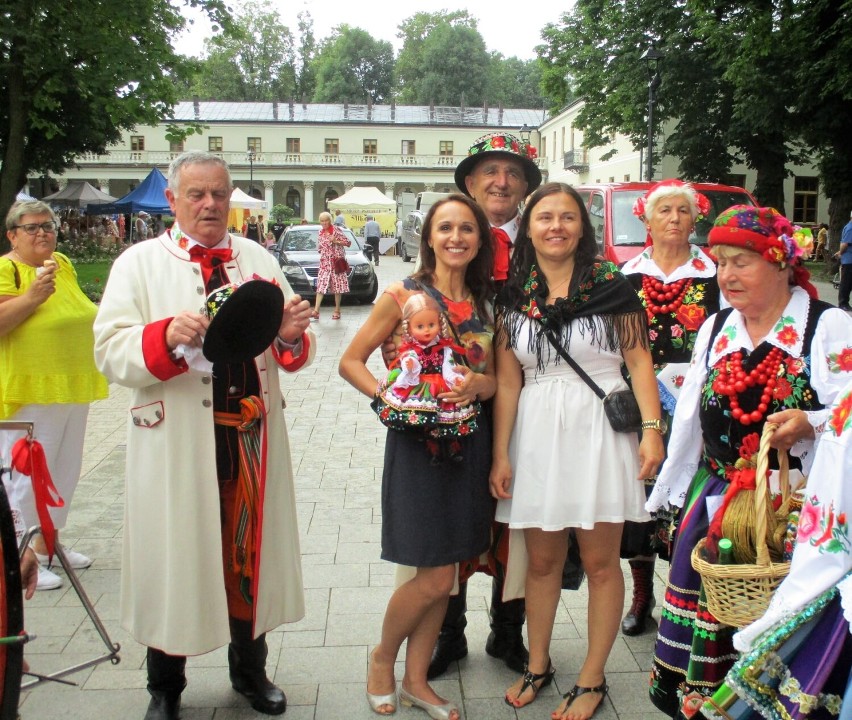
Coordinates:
500 143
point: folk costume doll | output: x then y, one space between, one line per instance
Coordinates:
426 368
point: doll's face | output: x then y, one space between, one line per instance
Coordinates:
424 326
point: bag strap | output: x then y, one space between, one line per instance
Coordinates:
573 363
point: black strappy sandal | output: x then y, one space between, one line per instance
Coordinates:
576 691
529 681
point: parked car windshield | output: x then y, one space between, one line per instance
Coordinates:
304 239
627 229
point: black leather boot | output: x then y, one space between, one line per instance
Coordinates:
247 663
635 621
166 681
452 644
506 640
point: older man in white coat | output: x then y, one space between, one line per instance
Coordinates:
211 549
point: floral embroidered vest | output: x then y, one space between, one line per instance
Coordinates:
723 436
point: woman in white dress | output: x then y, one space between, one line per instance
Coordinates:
557 462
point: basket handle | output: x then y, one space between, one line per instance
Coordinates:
761 485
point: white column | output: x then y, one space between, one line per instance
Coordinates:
267 193
308 202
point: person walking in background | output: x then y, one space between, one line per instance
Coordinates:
677 285
333 270
47 369
339 220
251 230
557 461
211 544
373 234
844 254
140 227
435 515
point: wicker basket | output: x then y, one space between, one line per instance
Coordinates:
737 595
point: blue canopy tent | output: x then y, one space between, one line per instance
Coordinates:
148 196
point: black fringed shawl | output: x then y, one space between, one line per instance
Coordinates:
604 301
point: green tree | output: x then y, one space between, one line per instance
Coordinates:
820 32
256 62
724 71
70 81
456 68
306 81
414 32
515 83
351 66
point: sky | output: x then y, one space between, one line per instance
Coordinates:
513 33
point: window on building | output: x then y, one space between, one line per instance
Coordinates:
294 201
627 177
214 144
543 146
176 147
445 147
563 141
137 143
253 144
294 145
371 147
736 180
553 150
806 194
408 147
332 146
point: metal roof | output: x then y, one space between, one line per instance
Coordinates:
284 112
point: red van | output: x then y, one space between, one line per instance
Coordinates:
621 235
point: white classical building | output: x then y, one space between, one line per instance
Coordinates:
304 155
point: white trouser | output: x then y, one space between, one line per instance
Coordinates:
61 429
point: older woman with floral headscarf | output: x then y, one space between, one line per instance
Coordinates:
776 355
677 284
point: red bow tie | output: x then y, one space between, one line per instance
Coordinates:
206 256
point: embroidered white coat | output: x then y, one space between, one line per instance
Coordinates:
172 584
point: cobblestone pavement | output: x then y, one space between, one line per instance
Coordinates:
321 661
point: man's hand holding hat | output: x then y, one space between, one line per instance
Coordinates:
297 319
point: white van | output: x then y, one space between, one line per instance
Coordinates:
413 223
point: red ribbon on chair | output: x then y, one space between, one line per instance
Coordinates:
28 459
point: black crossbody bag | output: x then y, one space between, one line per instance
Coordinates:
620 406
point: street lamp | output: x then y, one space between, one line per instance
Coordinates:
251 156
525 133
653 58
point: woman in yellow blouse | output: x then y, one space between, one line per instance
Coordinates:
47 367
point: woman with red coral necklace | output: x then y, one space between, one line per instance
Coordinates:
774 356
677 285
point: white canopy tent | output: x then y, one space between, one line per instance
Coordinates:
239 199
243 205
362 201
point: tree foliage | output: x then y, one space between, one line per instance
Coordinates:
351 66
255 62
515 83
456 68
414 32
70 81
726 74
305 71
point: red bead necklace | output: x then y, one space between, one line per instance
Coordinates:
733 381
663 298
